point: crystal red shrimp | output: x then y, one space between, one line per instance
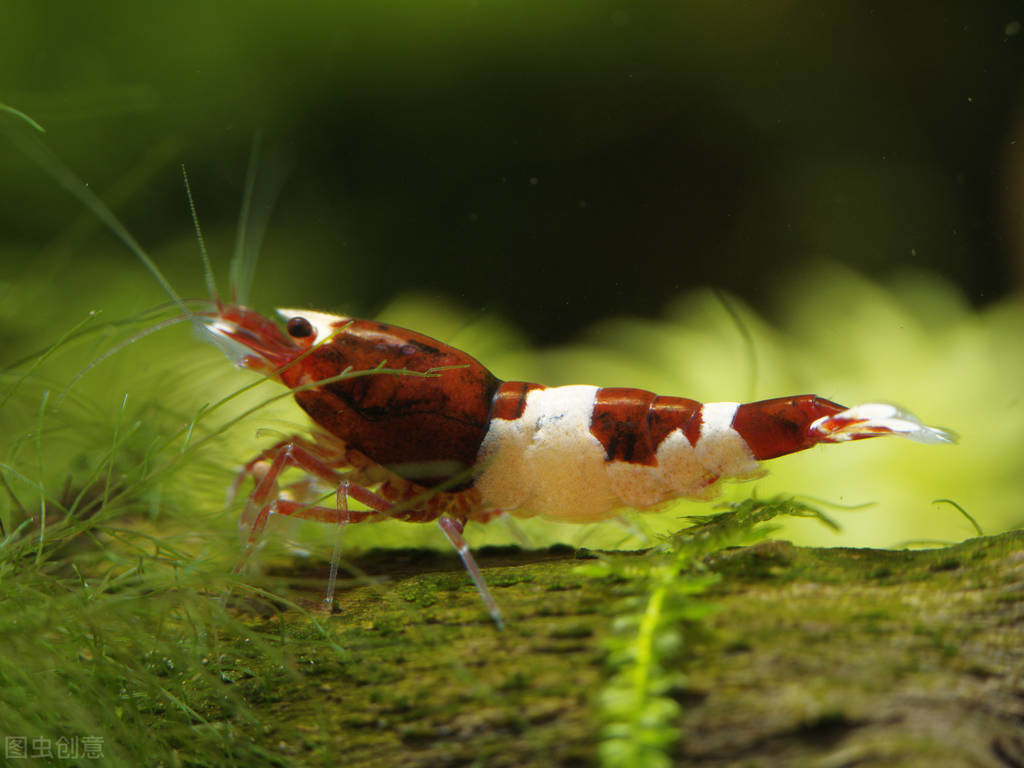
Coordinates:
460 445
486 446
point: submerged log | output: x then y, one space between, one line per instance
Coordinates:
816 657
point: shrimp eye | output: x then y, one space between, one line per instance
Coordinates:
299 328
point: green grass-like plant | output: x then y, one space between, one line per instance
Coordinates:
114 640
658 622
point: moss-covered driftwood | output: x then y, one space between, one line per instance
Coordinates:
816 657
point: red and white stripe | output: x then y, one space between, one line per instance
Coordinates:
580 453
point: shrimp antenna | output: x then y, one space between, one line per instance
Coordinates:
211 283
64 176
243 262
263 181
748 339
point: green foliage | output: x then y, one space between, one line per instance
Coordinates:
664 137
114 567
106 630
21 116
658 624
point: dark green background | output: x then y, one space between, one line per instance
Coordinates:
550 162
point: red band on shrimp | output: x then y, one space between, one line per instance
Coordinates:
619 422
671 413
781 425
510 399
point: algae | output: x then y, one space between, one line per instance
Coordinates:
814 657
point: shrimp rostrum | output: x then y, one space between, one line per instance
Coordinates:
455 444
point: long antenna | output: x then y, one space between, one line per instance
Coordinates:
211 283
747 338
243 261
263 181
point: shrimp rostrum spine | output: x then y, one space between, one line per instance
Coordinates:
486 446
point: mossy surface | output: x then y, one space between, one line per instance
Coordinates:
863 657
823 657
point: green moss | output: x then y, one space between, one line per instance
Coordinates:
791 670
810 655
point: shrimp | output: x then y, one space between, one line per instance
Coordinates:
456 444
451 442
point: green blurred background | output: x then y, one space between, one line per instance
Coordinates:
551 162
523 178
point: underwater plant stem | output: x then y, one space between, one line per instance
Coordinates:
42 494
645 642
